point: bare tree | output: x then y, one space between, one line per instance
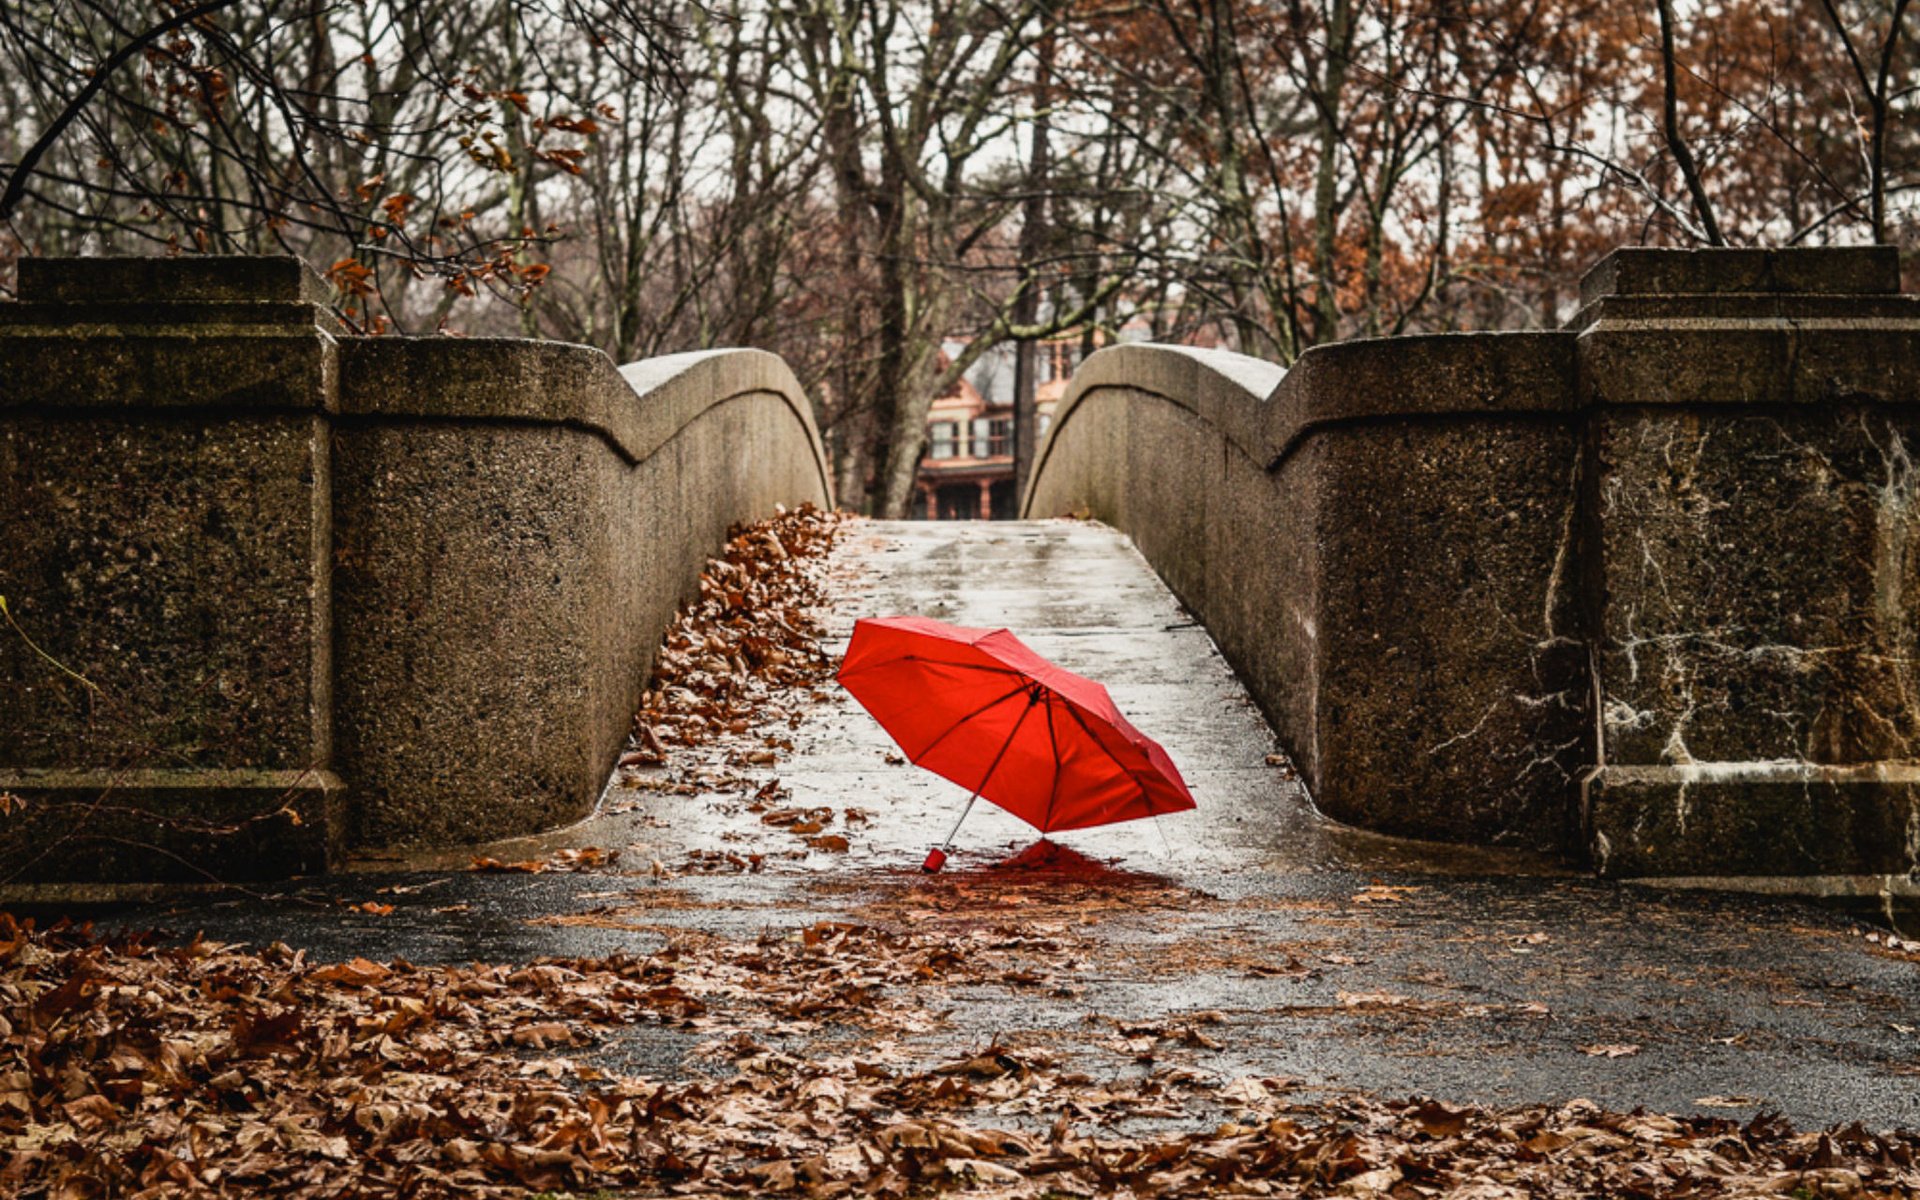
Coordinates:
1670 125
375 137
1874 90
864 185
913 102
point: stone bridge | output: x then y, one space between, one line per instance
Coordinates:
1635 592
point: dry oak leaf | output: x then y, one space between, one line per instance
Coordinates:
1372 1000
981 1171
1381 893
1251 1091
91 1112
485 864
1438 1120
1609 1049
360 972
540 1035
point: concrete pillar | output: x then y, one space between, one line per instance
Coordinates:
986 500
174 476
1751 432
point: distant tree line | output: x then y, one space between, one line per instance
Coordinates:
854 183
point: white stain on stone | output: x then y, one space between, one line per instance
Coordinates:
1913 834
1625 718
1893 530
1486 716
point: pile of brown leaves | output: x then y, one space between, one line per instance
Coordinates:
132 1068
748 648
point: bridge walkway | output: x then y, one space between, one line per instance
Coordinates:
1333 958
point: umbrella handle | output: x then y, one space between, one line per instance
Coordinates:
947 842
937 857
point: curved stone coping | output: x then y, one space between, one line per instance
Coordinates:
1265 411
1220 387
682 386
637 408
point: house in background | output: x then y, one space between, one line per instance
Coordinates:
967 471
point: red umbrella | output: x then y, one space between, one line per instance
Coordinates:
978 707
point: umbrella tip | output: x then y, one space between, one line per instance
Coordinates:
936 858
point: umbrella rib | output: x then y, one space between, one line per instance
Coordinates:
1005 746
928 748
1053 740
1124 768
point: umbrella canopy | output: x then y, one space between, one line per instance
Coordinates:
981 709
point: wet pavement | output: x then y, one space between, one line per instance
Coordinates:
1315 952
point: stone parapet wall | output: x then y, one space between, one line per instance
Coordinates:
1637 589
1374 558
296 593
1751 420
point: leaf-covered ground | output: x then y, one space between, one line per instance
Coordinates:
942 1036
130 1068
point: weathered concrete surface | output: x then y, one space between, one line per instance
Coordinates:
1750 587
166 468
1830 271
1638 589
1343 959
515 614
278 591
1374 541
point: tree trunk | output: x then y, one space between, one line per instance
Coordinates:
910 339
1326 216
1682 156
1033 243
902 434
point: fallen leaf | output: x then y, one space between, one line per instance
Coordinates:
1380 893
90 1113
494 865
1372 1000
542 1034
358 973
1437 1120
1609 1050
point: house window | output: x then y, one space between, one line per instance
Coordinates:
946 440
992 437
1056 361
1000 436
